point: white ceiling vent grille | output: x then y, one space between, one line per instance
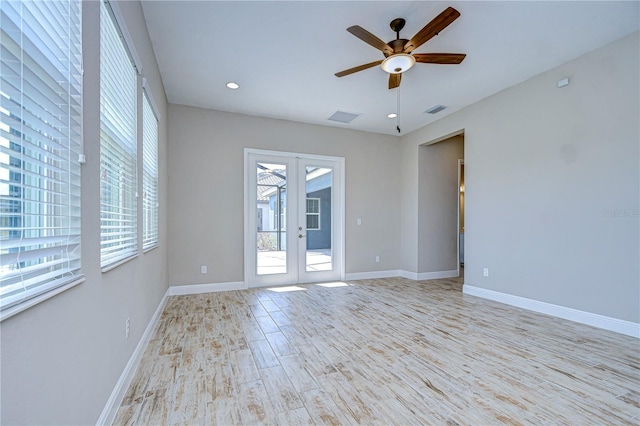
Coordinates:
343 117
435 109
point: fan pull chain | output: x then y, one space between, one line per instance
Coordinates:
398 110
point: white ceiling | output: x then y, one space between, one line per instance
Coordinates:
284 54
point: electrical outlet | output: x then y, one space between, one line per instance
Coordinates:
358 221
203 269
127 328
485 272
377 259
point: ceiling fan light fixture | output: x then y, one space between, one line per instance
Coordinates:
233 86
398 63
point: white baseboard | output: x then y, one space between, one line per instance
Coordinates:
408 275
181 290
113 403
371 275
421 276
437 275
612 324
416 276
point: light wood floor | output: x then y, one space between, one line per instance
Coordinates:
386 351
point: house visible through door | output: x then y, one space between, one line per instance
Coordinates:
293 218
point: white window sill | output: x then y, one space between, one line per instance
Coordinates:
118 263
148 249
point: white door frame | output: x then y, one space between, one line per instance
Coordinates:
338 204
460 164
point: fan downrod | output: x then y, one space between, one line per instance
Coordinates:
398 44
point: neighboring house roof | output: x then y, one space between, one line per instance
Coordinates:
266 178
267 182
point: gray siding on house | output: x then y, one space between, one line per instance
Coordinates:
321 239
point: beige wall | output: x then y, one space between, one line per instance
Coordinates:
543 166
206 186
61 359
438 205
409 207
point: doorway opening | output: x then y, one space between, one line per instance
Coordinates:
439 207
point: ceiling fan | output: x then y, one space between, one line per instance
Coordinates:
398 57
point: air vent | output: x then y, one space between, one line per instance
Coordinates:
343 117
435 109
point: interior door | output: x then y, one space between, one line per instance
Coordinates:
293 218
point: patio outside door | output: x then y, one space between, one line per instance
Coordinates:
293 218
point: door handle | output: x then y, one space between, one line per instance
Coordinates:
301 236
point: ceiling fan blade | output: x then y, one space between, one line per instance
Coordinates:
370 39
439 58
394 80
436 25
358 68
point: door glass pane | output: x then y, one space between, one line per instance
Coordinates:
318 212
271 218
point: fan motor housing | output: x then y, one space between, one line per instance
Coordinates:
397 46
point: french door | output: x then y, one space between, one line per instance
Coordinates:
293 218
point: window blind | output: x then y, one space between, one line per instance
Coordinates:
149 175
118 145
40 141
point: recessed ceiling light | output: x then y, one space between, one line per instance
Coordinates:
232 85
392 115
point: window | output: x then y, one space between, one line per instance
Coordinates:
40 141
149 175
118 145
313 213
